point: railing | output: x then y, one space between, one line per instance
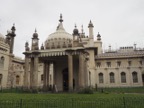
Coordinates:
123 102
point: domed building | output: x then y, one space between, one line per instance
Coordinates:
69 56
70 62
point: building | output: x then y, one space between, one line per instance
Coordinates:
73 62
11 67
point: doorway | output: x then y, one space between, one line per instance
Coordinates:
143 79
65 79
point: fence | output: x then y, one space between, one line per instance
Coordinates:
123 102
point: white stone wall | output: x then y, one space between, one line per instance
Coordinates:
124 67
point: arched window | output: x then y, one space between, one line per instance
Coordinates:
1 78
42 77
135 77
123 77
100 77
112 79
2 62
17 79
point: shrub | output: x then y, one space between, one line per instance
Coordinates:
86 91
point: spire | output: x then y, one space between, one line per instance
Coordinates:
35 30
61 20
35 34
90 24
98 36
82 29
75 31
60 26
13 28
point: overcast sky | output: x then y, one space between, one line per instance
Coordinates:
120 22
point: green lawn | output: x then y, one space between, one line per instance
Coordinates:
73 100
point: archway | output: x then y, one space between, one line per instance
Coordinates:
65 79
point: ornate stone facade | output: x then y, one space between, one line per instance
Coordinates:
72 62
11 67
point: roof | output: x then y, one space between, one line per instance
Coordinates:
135 53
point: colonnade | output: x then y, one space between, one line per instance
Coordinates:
31 79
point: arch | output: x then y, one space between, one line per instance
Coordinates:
65 79
135 77
101 80
2 62
17 79
112 77
123 77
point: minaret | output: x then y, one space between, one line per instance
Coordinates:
35 41
75 36
12 35
90 26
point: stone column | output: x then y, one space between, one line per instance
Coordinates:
70 72
44 77
81 71
26 84
31 72
35 73
47 74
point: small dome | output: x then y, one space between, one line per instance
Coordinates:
59 39
75 31
35 35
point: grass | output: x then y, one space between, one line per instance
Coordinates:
109 98
66 100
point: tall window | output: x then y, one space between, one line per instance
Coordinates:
135 77
17 79
1 62
101 78
112 79
123 77
98 64
42 77
1 78
109 64
119 63
129 63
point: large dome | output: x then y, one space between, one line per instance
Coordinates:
59 39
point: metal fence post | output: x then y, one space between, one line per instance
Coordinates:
124 102
20 103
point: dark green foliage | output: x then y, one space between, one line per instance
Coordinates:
86 91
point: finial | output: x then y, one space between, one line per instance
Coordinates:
75 26
35 30
13 28
82 29
61 20
90 24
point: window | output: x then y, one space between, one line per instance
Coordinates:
123 77
140 62
42 77
129 63
17 79
1 62
1 78
109 64
98 64
119 63
100 77
112 80
135 77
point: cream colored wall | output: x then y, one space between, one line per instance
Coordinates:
4 53
117 71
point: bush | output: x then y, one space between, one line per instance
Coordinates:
86 91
